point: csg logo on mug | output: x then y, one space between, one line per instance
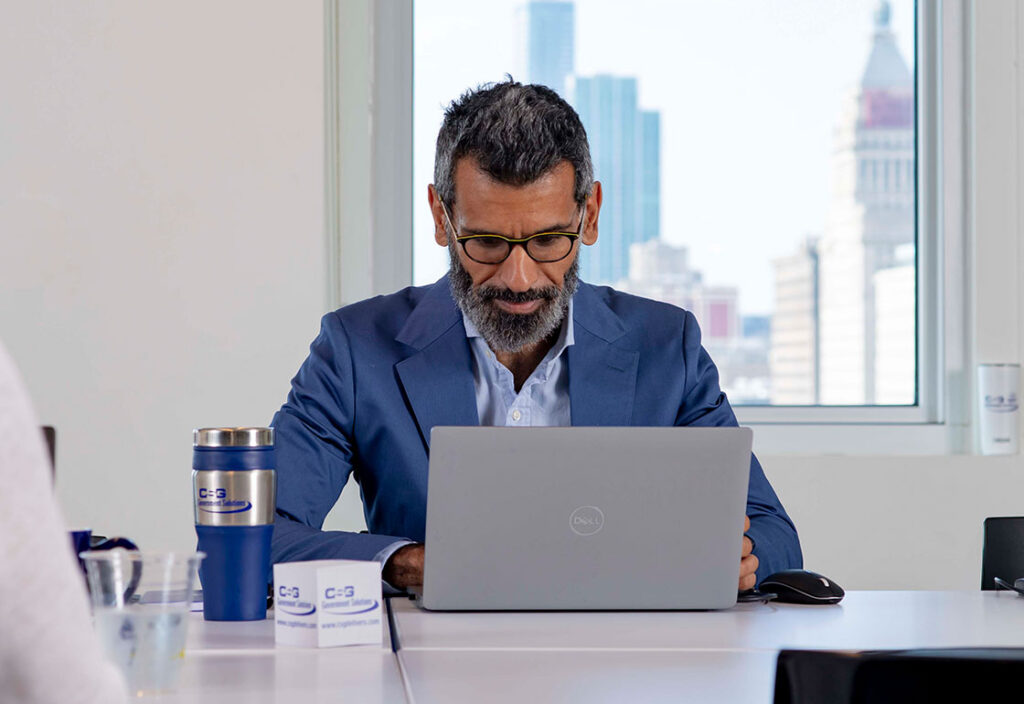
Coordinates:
586 520
217 501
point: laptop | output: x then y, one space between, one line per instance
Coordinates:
584 518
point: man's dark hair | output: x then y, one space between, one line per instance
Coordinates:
516 132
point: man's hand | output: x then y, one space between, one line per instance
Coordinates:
748 561
404 569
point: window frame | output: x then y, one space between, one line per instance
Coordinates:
369 83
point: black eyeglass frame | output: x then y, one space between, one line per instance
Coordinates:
516 241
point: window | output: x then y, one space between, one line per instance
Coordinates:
735 209
728 137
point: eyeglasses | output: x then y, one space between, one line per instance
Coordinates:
543 247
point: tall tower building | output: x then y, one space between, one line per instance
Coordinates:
649 177
793 360
625 142
870 217
549 35
895 324
608 107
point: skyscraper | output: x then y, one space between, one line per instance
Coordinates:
794 331
895 323
625 142
649 177
849 295
549 36
870 217
607 105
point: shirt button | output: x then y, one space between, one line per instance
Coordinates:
516 415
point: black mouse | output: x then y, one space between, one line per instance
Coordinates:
801 587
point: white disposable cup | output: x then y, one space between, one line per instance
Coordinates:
998 409
141 603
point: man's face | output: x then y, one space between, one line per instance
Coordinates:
519 302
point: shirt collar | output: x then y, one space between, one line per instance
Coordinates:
566 337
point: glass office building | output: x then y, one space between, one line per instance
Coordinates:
549 39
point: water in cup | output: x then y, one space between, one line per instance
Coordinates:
147 642
141 603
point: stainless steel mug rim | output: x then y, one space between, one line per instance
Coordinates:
233 437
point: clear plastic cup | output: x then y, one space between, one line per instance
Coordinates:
141 603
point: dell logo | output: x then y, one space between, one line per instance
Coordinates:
586 520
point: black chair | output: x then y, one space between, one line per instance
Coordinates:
50 434
1002 554
897 676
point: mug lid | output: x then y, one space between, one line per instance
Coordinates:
233 437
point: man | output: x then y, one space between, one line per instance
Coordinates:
510 337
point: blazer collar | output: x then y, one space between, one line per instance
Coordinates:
602 365
432 317
437 378
592 313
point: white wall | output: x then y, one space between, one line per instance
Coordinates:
161 216
161 233
897 523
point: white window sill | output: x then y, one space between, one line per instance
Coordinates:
862 439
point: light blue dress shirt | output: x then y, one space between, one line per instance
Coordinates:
543 399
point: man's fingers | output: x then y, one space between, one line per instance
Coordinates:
748 561
748 568
405 567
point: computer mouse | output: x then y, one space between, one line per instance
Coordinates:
801 587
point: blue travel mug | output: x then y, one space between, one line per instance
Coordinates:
235 490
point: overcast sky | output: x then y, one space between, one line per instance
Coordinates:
749 93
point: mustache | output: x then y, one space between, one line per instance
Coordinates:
490 293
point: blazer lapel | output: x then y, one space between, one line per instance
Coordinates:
438 377
602 376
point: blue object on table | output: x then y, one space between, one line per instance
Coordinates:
84 541
234 489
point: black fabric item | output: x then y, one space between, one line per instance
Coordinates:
888 677
1002 554
50 435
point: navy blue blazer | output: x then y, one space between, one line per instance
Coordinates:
384 371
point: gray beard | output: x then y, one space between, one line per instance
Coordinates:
504 331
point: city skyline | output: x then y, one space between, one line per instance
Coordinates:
823 342
729 182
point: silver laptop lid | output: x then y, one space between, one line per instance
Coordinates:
585 518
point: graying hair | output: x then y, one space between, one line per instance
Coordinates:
516 132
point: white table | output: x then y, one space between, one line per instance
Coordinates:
874 619
594 677
239 662
696 656
596 657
